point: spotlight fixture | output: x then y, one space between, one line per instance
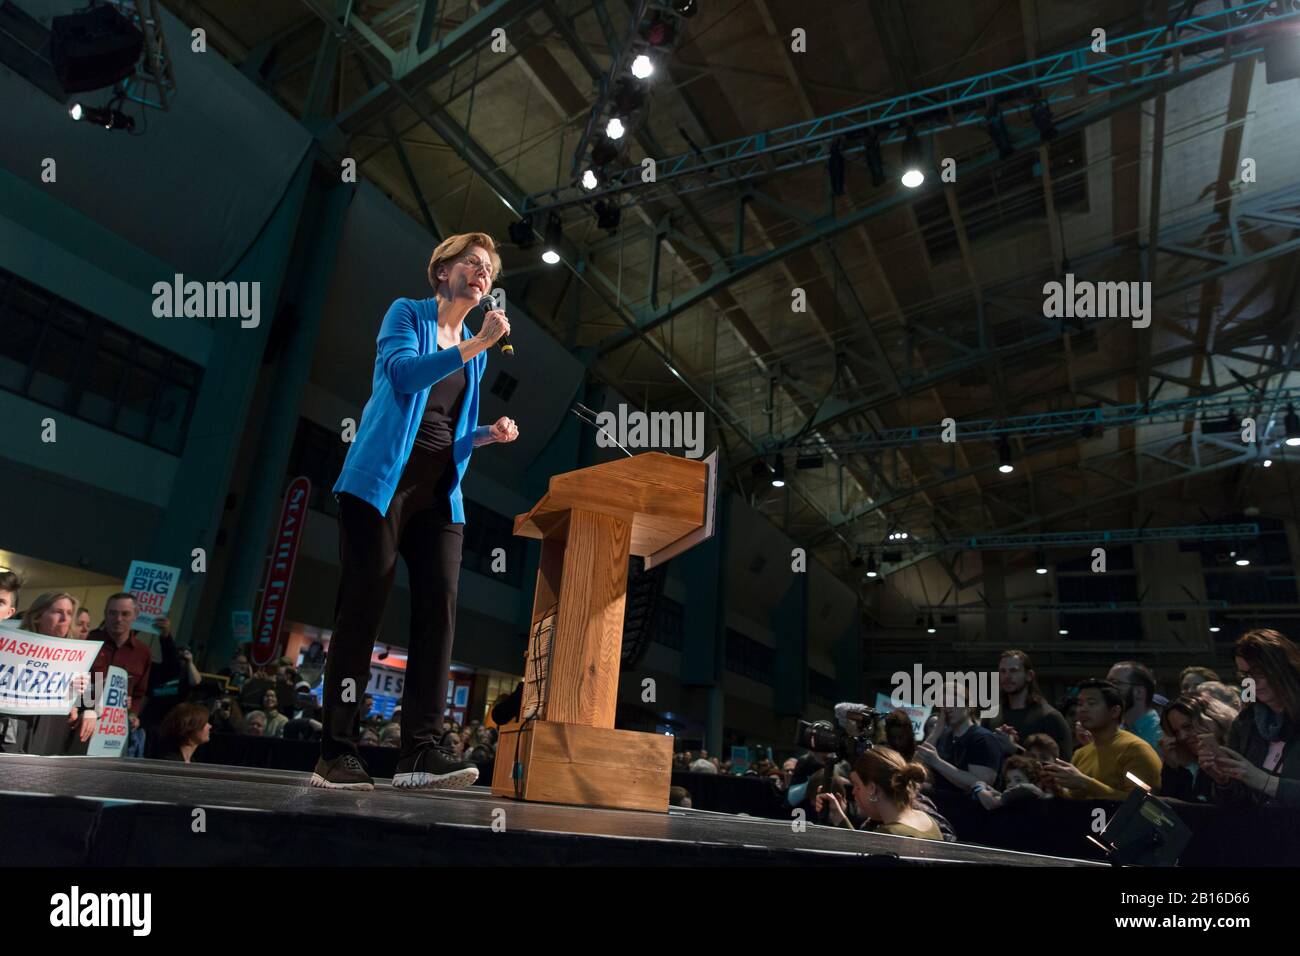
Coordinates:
590 180
1004 456
913 157
873 569
1268 462
1040 567
642 67
1214 628
835 166
686 8
871 149
1041 114
554 239
521 232
614 129
104 116
608 216
997 128
929 625
1062 630
778 472
1242 561
1292 426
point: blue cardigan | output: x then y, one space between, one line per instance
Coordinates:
407 364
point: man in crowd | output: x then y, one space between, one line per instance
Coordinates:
124 648
1100 768
1022 708
961 754
1137 684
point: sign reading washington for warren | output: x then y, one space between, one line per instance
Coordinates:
112 728
153 586
36 672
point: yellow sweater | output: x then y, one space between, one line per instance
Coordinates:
1107 764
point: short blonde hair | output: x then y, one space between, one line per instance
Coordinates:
454 246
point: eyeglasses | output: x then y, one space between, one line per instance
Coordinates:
478 265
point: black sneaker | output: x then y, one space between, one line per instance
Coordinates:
434 768
345 772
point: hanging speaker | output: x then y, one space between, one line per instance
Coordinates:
94 49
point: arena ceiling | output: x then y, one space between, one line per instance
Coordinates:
921 304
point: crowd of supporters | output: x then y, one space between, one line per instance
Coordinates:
1214 742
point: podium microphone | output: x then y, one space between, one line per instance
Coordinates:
585 414
486 302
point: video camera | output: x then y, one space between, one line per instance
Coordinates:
850 735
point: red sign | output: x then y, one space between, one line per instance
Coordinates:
279 572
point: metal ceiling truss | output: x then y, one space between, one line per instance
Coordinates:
1060 80
1074 607
1074 539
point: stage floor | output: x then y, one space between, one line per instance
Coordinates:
256 806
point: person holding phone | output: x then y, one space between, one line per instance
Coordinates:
1261 762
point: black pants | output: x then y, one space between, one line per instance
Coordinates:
418 526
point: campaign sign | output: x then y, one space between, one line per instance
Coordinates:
113 727
36 672
917 715
153 586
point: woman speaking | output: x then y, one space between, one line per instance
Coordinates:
400 493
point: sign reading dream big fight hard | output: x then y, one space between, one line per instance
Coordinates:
153 586
279 572
112 728
36 672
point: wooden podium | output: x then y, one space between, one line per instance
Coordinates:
589 522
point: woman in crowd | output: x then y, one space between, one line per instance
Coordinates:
183 730
885 789
52 615
275 720
1184 721
1261 763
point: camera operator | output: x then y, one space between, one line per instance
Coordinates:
885 791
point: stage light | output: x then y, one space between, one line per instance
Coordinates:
873 569
521 232
997 128
101 116
589 179
1004 456
608 216
929 625
614 129
1243 561
778 472
686 8
913 157
835 167
1268 462
1040 567
1214 629
1041 114
1063 630
1292 426
554 239
871 149
642 67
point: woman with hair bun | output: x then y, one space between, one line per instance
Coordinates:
886 789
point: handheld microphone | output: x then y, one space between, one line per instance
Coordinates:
487 302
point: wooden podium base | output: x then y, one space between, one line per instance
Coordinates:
585 766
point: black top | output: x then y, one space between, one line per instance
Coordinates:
977 746
438 429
